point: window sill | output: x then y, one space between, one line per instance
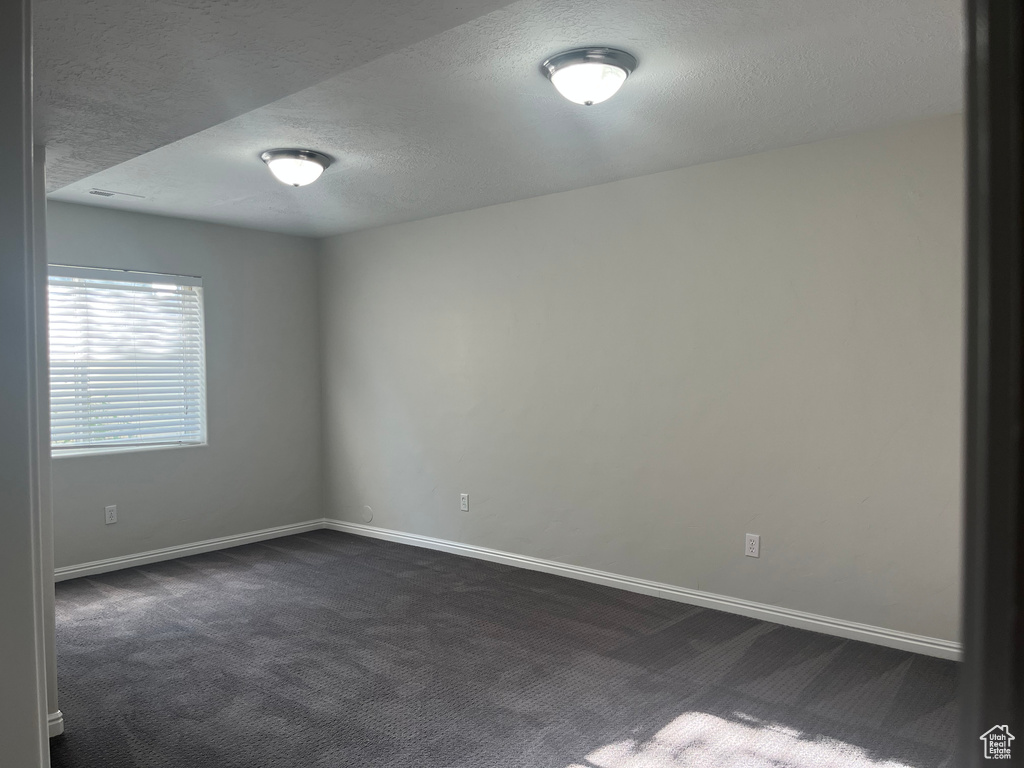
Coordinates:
79 452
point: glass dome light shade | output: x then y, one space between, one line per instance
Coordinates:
295 167
589 75
588 83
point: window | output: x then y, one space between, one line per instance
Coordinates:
127 360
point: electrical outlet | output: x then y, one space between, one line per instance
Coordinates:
753 547
464 502
111 512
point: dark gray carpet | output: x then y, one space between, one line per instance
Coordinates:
330 650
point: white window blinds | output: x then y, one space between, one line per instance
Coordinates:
127 360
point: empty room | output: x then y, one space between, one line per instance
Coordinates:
535 383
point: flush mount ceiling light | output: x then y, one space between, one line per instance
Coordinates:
295 167
589 75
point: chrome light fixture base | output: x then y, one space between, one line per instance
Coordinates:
298 167
598 59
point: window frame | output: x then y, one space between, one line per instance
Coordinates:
128 277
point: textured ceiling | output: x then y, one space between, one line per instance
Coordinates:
116 78
464 118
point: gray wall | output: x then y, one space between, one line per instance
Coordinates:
630 377
262 466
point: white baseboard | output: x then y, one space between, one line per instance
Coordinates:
169 553
55 723
891 638
930 646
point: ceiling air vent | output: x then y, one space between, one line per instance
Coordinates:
111 193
